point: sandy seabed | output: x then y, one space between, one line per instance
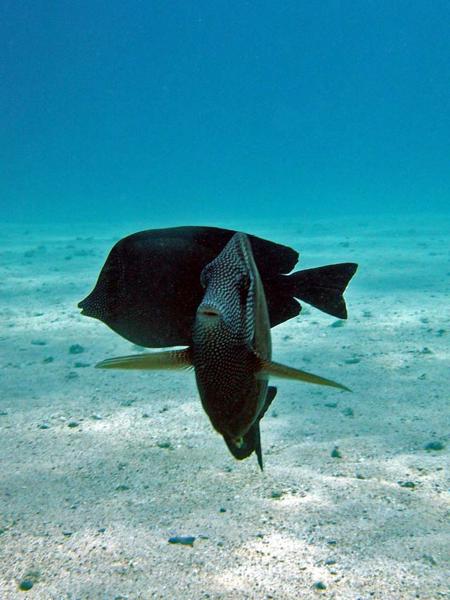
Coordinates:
98 469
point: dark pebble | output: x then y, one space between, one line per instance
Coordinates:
407 484
44 426
164 445
184 540
348 412
48 360
222 510
319 585
276 494
81 365
436 445
336 453
76 349
67 533
122 488
25 585
38 343
72 424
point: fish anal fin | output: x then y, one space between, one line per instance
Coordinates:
274 369
170 359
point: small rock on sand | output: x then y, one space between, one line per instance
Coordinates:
76 349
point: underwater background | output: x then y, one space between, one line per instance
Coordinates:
207 110
323 126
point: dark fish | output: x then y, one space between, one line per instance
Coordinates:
231 350
149 288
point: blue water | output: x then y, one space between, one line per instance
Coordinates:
206 110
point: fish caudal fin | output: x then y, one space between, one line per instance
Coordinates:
278 370
323 287
171 359
251 441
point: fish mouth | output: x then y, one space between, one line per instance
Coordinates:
93 306
206 310
82 306
86 306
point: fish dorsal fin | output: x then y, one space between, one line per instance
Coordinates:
273 369
155 361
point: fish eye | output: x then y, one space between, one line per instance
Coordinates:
204 276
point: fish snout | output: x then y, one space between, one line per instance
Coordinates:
209 312
95 305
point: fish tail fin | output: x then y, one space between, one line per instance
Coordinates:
323 287
251 441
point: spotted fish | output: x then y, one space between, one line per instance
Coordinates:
230 351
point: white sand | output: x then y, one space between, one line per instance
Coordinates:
346 522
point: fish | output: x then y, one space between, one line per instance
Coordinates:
149 288
231 350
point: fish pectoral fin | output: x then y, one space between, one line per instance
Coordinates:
169 359
274 369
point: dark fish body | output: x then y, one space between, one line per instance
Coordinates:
149 288
231 335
